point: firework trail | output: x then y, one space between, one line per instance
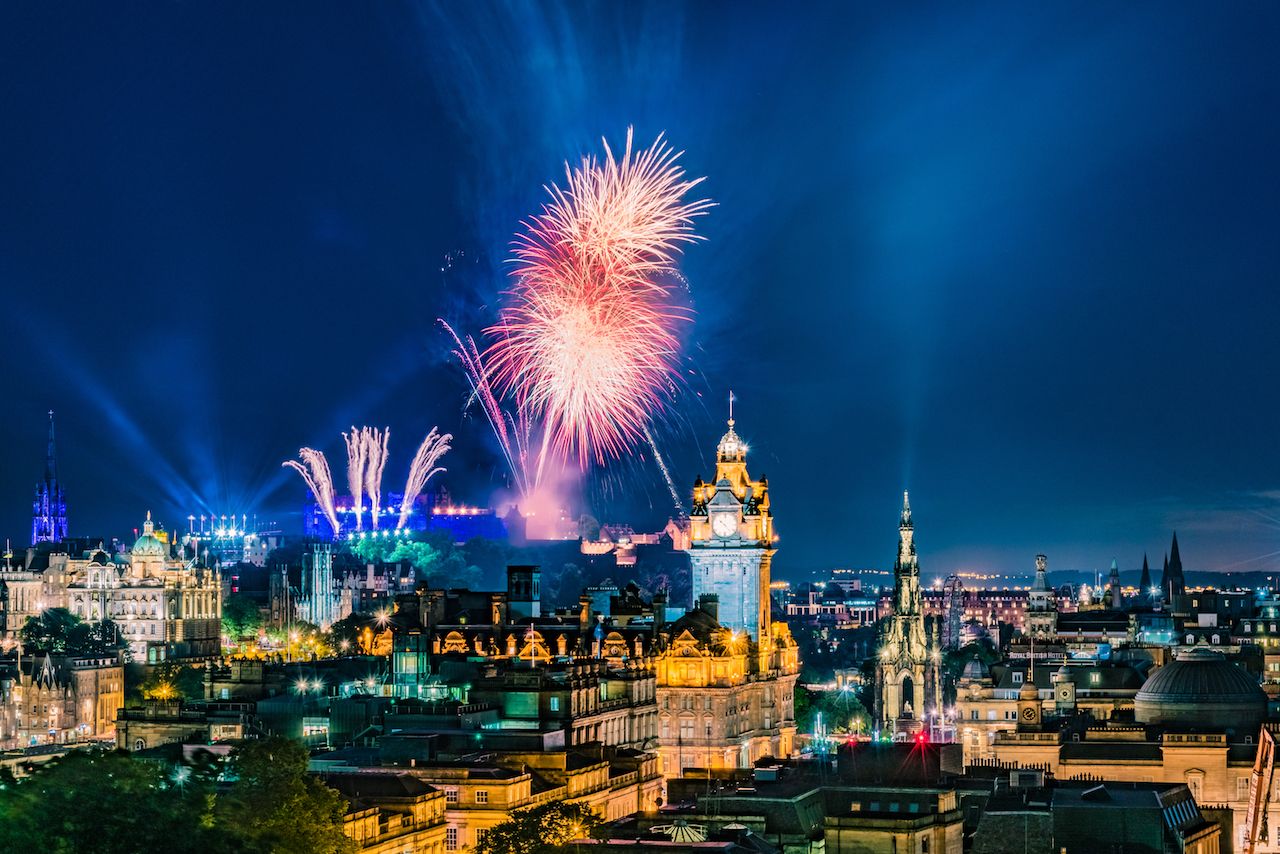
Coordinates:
666 475
314 469
375 453
435 446
512 432
356 462
587 343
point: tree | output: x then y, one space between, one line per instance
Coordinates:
107 803
172 682
540 830
57 630
111 803
275 807
840 710
241 616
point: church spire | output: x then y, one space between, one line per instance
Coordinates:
51 457
49 510
1144 583
906 510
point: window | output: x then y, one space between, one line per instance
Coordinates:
1017 678
1215 640
555 704
481 833
482 796
1095 678
973 715
451 839
1191 638
451 796
686 730
1242 788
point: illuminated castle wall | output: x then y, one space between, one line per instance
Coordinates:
49 510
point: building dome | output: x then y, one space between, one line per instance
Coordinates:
1202 688
149 545
731 447
975 670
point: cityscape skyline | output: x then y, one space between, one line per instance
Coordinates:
1038 317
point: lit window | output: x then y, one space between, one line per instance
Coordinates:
555 704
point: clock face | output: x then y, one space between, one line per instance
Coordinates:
723 525
1028 714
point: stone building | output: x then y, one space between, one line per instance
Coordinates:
59 699
164 606
726 672
1196 721
390 811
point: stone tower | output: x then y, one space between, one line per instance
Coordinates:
1042 604
731 540
907 658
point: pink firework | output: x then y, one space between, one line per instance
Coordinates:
587 341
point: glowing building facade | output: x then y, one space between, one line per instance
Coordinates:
727 672
731 541
164 606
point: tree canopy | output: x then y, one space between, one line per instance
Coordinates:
435 558
110 803
241 616
57 630
540 830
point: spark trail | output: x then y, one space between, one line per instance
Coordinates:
375 451
435 446
356 461
314 469
666 475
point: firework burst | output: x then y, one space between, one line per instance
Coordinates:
587 341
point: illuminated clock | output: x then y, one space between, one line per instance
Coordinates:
1029 714
1064 693
723 525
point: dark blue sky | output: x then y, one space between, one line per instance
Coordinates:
1022 261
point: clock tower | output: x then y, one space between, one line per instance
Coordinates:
731 540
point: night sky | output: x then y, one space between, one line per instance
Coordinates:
1021 261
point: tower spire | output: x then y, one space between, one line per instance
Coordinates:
51 457
906 510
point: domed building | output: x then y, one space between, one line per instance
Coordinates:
164 606
1202 689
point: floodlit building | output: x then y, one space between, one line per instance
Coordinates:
165 607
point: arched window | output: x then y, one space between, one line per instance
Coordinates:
139 744
1215 639
1191 638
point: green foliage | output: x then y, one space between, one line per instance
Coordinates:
102 802
276 807
57 630
839 710
241 616
540 830
433 555
109 803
